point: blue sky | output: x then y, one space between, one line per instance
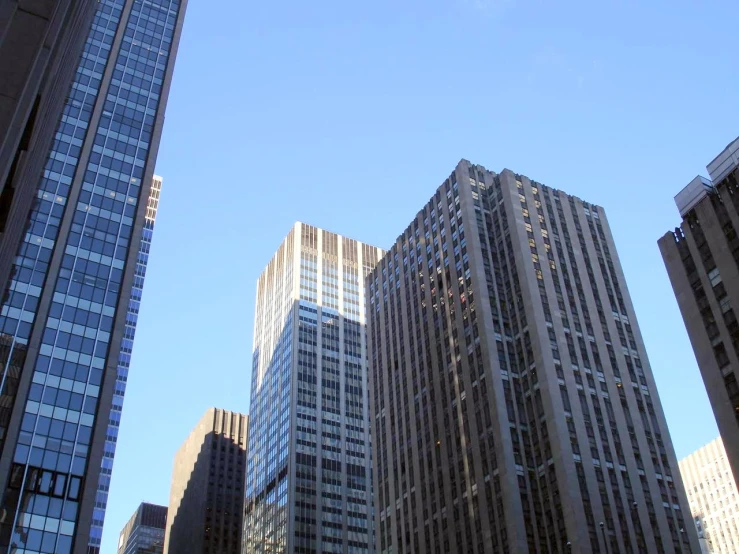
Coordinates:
348 115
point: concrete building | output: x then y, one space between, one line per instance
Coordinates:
713 498
702 260
65 312
308 478
206 501
40 46
144 532
513 405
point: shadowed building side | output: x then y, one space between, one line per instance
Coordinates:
66 304
144 532
206 503
40 46
124 364
702 260
713 498
309 484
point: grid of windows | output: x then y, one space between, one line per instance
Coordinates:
487 360
702 258
271 388
224 496
144 532
436 447
124 361
329 489
32 261
713 496
206 502
50 459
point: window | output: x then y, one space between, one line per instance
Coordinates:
722 358
714 276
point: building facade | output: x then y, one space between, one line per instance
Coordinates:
144 532
702 260
206 501
124 363
40 45
713 498
309 473
513 405
66 305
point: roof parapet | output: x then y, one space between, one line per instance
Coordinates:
692 194
725 162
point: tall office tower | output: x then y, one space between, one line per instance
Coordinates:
513 405
308 478
206 501
713 498
64 312
40 45
702 259
124 363
144 532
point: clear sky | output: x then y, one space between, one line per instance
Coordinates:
348 115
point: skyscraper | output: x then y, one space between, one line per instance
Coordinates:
40 45
65 308
124 362
144 532
513 405
702 260
206 501
308 476
713 498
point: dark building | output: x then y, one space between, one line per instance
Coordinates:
513 405
702 260
40 45
206 501
65 309
144 532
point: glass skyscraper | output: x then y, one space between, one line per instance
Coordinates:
124 362
206 499
309 456
40 45
513 404
65 309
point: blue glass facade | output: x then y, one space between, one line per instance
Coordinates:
269 420
309 469
124 362
61 311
